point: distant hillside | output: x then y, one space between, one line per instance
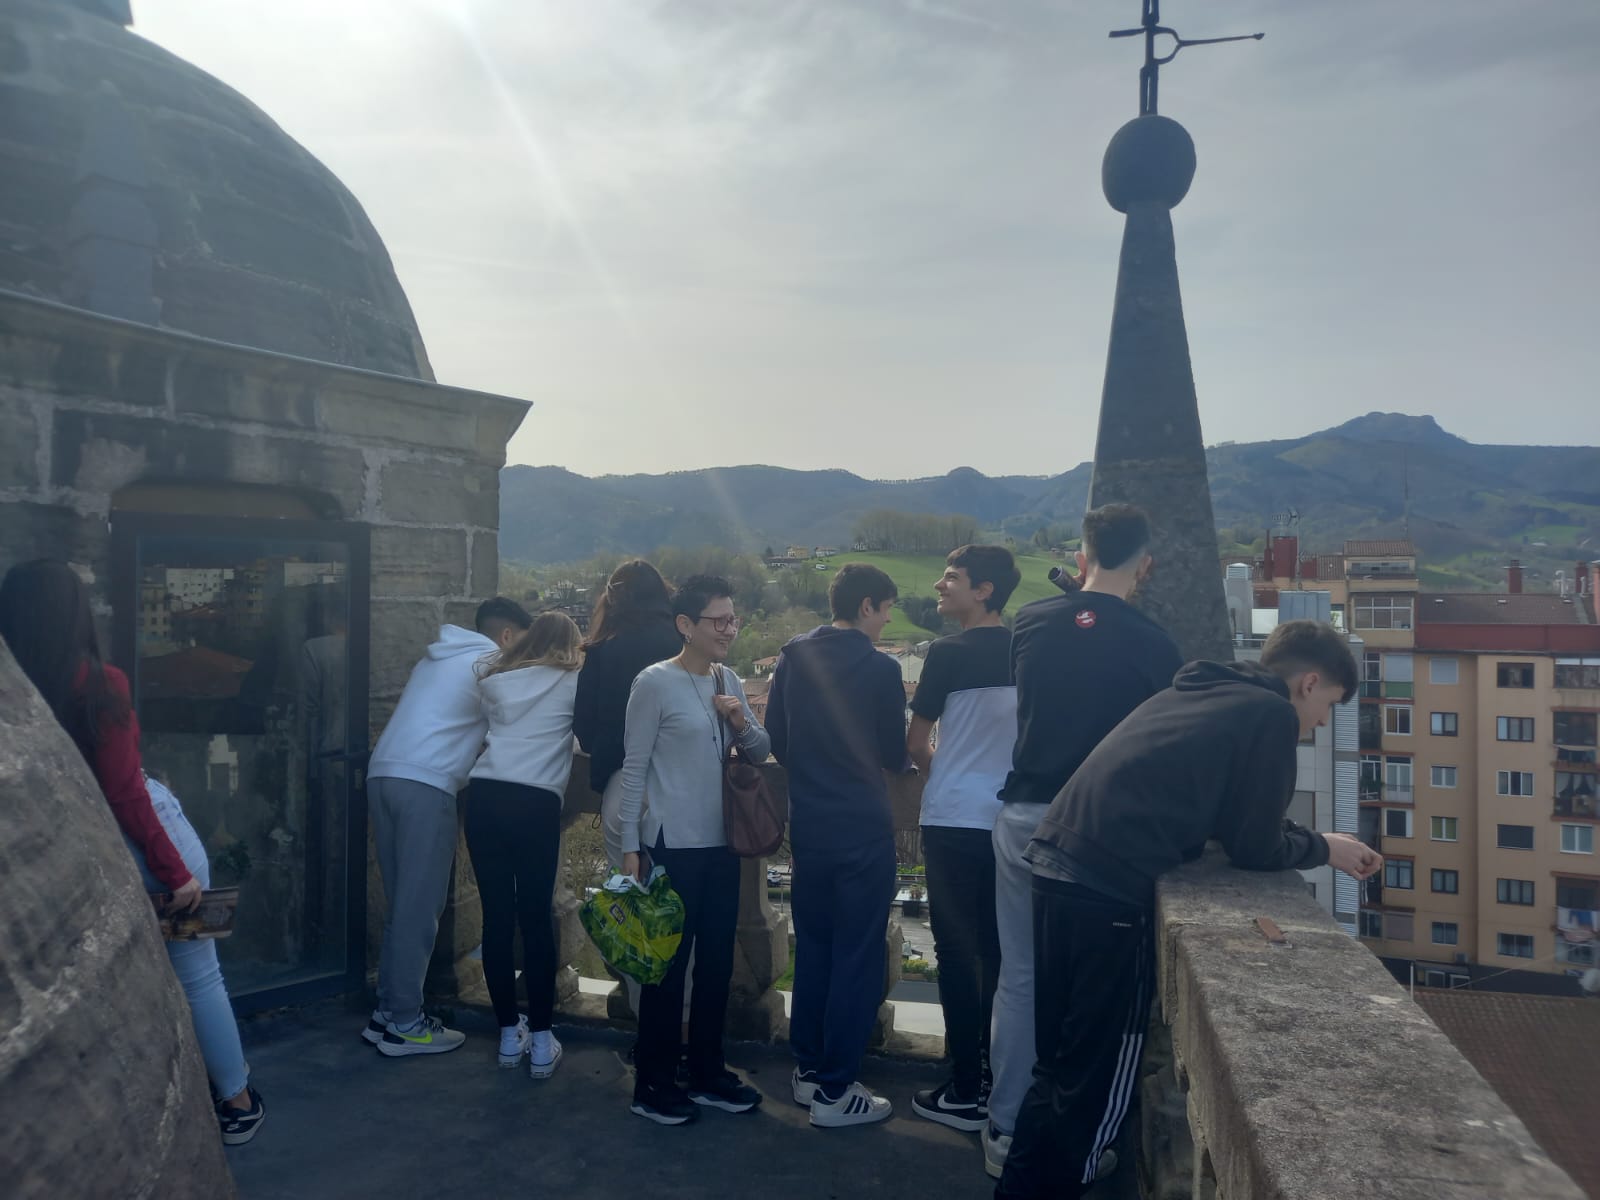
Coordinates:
1469 505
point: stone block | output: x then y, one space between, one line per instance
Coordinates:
404 418
46 530
19 447
462 612
401 631
418 562
243 392
441 493
485 577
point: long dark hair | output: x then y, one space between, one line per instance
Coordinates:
44 618
635 594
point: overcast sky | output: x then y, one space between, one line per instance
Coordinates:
870 235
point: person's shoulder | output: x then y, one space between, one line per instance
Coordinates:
655 675
116 681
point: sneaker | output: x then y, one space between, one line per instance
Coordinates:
856 1107
664 1105
543 1055
1107 1164
239 1126
681 1075
727 1092
945 1106
427 1036
996 1146
377 1024
804 1085
514 1042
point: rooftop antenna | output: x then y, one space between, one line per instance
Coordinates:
1151 28
1405 492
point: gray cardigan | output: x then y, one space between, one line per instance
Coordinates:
674 749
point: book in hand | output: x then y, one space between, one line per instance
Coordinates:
212 919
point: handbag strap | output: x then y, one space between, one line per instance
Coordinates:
734 749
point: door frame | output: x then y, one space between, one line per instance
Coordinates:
127 529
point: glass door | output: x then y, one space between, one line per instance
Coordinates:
246 645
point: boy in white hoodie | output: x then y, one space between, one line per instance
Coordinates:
420 763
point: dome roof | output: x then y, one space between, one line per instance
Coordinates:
134 184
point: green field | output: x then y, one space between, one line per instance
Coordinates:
915 574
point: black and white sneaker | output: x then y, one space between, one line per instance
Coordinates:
239 1126
856 1107
727 1092
804 1086
946 1106
667 1105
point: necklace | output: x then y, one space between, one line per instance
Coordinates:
716 740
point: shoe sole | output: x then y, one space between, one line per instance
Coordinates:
544 1070
390 1050
371 1036
950 1120
511 1061
993 1168
660 1118
244 1135
804 1093
706 1100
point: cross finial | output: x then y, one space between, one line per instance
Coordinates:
1150 26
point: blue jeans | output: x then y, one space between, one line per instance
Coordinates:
195 963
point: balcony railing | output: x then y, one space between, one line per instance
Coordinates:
1397 795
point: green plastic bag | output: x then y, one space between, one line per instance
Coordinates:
636 928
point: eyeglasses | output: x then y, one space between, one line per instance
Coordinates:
721 624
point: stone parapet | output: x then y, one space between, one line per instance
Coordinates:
1301 1070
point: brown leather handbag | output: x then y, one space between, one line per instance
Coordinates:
752 819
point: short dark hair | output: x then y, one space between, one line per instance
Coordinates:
497 611
988 564
696 592
854 583
1115 534
1296 647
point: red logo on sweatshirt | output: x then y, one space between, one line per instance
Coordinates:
1085 619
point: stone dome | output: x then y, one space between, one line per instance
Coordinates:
136 185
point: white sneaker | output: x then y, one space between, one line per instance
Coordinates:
377 1023
856 1107
543 1055
996 1146
804 1086
514 1042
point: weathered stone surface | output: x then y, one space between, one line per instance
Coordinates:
203 384
48 530
485 577
407 561
19 448
84 981
401 631
361 412
441 493
1311 1074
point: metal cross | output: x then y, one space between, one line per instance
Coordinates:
1150 27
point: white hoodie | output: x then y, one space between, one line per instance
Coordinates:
438 727
530 727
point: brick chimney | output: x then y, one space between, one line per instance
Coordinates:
1514 578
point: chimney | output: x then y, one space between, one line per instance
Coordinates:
1514 578
1580 579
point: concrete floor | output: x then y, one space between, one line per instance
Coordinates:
343 1121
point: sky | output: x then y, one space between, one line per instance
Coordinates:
870 234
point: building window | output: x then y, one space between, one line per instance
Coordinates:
1515 837
1514 945
1383 612
1442 724
1397 822
1443 671
1443 829
1397 775
1398 873
1442 777
1575 728
1577 839
1513 891
1575 794
1513 675
1578 672
1371 924
1513 729
1447 882
1514 783
1446 933
1397 719
1574 894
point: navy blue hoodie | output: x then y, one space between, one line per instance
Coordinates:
836 713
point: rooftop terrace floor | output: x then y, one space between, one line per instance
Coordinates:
343 1121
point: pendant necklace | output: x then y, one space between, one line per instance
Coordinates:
715 739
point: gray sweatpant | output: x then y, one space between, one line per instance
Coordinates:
1011 1048
414 828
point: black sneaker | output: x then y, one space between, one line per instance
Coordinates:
681 1077
727 1092
239 1126
664 1105
945 1106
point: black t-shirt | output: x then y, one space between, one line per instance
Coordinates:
966 687
1081 663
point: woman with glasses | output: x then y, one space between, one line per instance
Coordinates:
683 717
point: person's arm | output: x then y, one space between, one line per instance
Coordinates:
892 720
777 724
120 772
1251 825
638 742
927 706
752 738
919 743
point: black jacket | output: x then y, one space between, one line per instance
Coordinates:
609 669
1211 757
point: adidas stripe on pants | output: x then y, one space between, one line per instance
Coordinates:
1094 962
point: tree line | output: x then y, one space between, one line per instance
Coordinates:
886 531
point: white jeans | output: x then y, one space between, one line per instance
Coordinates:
1011 1048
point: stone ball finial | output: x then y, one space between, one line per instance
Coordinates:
1150 161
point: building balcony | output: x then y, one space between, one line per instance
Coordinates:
1578 804
1397 795
1370 793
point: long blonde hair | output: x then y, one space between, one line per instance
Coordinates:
553 640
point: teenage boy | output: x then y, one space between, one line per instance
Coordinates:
420 763
966 688
1081 662
836 713
1211 757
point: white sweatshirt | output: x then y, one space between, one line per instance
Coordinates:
437 728
530 727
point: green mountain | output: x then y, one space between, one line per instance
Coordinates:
1467 506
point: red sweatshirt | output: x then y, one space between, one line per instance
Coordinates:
118 769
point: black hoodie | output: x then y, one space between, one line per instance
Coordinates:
1213 756
837 715
609 669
